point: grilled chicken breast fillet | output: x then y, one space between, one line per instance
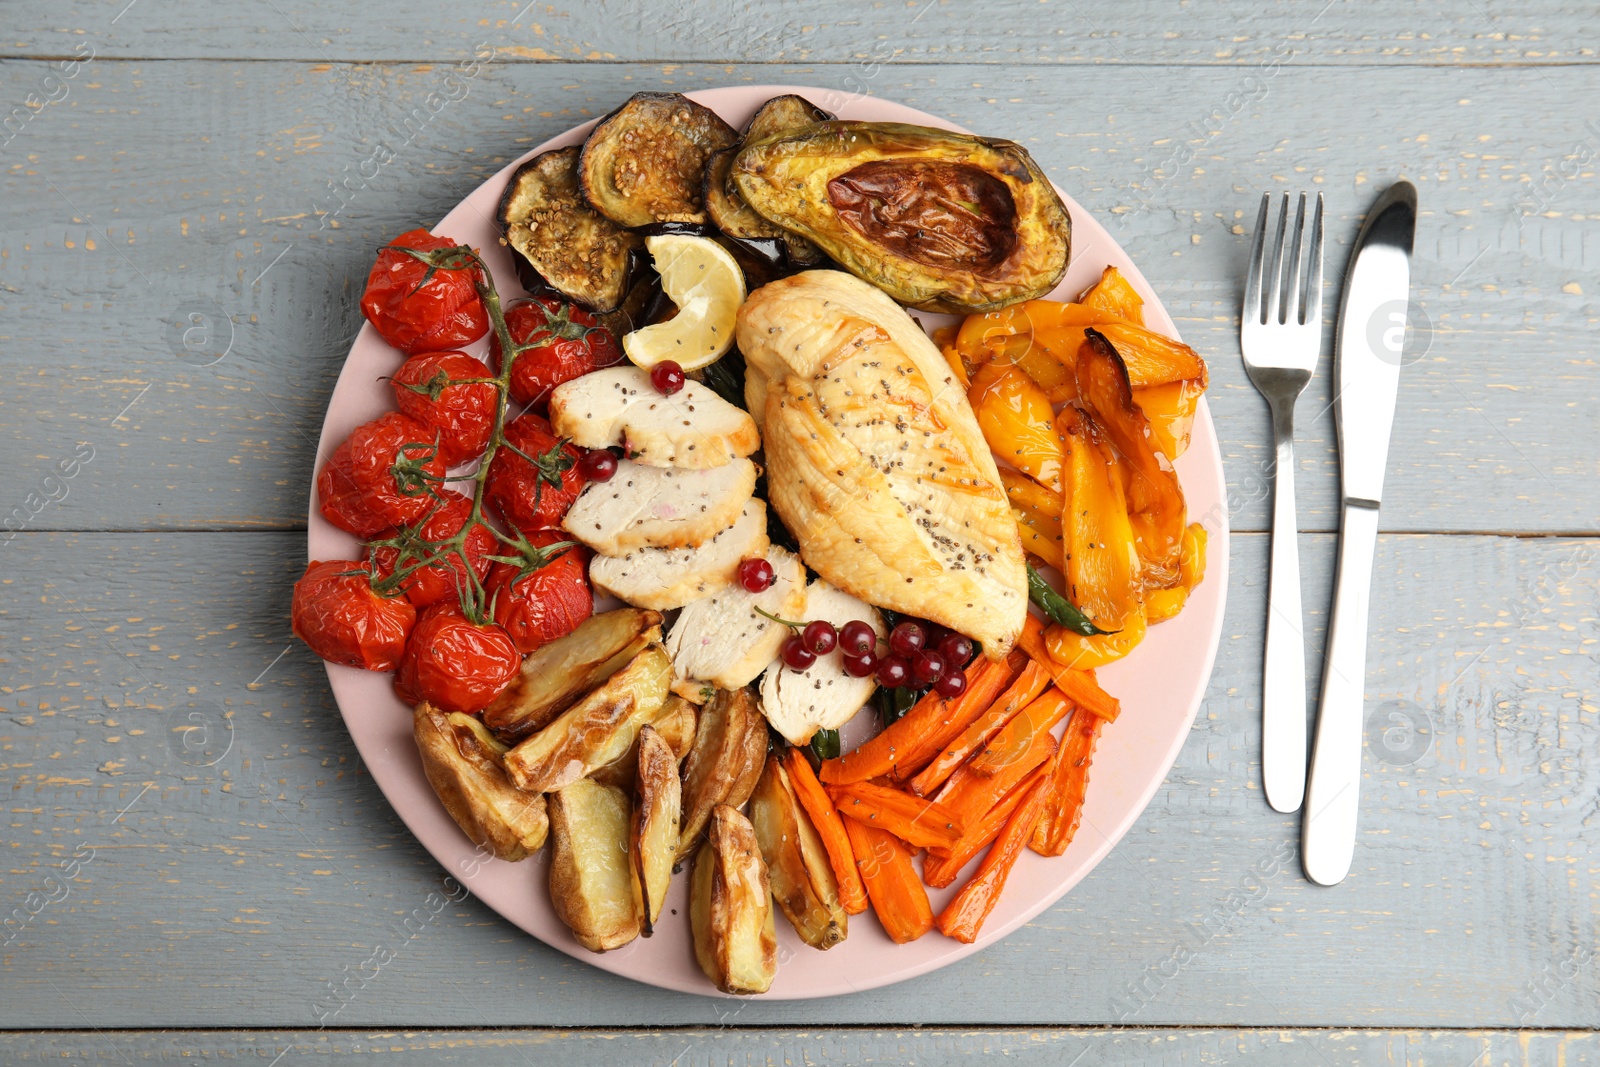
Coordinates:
874 458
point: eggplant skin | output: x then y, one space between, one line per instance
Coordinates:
560 241
644 162
940 221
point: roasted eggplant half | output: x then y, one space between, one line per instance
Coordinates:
940 221
596 730
657 805
461 760
557 674
592 882
643 163
803 885
730 748
783 114
730 908
559 241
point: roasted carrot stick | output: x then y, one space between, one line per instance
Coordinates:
830 827
970 794
919 728
1079 686
940 867
1016 736
898 898
919 823
1029 684
980 694
963 917
1069 781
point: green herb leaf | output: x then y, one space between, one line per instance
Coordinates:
1057 608
825 743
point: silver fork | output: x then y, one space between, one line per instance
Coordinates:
1281 338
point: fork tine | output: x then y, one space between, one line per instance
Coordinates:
1314 284
1275 294
1252 281
1293 305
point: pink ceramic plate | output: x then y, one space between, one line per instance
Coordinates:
1160 684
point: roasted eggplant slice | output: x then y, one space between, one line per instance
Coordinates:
657 806
462 762
643 163
730 908
783 114
940 221
560 241
592 882
553 678
803 884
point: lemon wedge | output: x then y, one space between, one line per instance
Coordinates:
706 283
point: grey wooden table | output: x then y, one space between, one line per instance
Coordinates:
188 206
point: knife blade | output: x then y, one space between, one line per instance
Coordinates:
1370 340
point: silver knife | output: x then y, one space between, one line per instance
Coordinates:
1371 333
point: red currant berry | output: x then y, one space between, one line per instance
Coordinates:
598 466
796 656
907 639
667 377
820 637
756 575
951 685
860 666
927 668
893 672
858 638
956 650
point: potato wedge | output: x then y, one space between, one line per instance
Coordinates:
462 762
596 730
592 882
674 722
653 846
803 885
719 767
557 675
730 908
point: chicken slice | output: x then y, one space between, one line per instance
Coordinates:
665 578
661 507
823 696
693 428
722 640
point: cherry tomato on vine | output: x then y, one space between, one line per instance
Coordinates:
573 344
421 309
463 414
337 614
453 663
546 596
446 578
533 496
384 474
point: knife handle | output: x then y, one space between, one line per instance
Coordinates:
1328 834
1283 677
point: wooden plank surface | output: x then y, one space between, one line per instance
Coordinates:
1012 32
232 881
860 1048
155 192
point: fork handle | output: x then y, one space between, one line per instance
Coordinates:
1283 697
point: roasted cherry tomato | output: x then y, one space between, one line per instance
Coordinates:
336 612
534 496
422 309
384 475
574 343
453 663
545 597
444 579
463 414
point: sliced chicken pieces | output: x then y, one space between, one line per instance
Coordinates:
823 696
693 428
723 640
661 507
664 578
